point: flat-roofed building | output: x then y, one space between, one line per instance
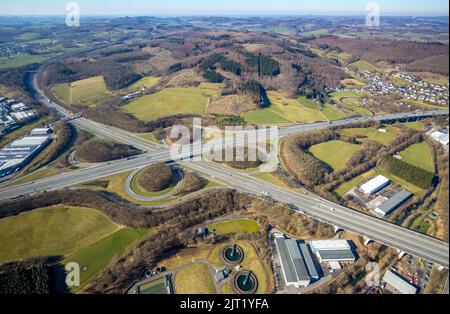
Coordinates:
310 265
393 203
20 152
333 251
296 262
441 136
374 185
400 284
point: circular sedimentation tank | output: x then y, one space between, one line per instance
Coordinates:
245 282
232 254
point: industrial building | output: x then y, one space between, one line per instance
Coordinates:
333 251
17 154
393 203
296 262
441 136
374 185
399 283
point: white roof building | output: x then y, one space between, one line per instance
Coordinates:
399 283
296 263
332 250
374 185
441 137
40 131
19 107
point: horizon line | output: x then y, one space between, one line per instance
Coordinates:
247 14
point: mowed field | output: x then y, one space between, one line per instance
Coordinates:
334 153
235 226
88 92
51 232
195 279
21 60
419 155
80 235
169 102
144 82
373 134
287 111
96 257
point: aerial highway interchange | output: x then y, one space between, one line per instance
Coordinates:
403 239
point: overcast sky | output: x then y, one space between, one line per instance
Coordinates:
227 7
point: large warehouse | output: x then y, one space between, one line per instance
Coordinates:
399 283
333 251
20 152
393 203
374 185
296 262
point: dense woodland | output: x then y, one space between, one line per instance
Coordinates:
98 150
156 177
427 57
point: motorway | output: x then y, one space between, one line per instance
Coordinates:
376 229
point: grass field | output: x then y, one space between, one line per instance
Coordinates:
97 256
373 134
144 82
351 102
235 226
51 231
363 65
286 111
419 155
21 60
195 279
334 153
420 126
169 102
87 92
398 181
155 287
117 185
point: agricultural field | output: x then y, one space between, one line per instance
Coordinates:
144 82
374 134
52 231
334 153
94 258
169 102
419 155
21 60
363 65
87 92
195 279
235 226
287 111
